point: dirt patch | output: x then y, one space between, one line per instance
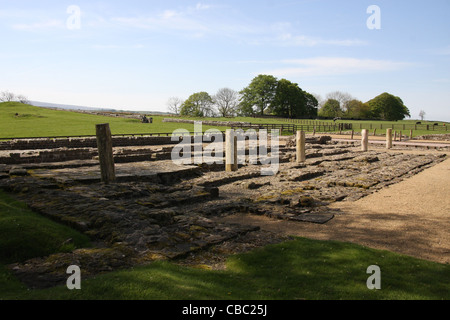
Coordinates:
410 217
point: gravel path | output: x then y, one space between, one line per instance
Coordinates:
411 217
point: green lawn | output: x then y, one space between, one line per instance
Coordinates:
298 269
40 122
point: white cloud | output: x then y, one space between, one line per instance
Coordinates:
326 66
166 21
287 39
284 34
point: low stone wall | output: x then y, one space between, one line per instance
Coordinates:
435 137
73 143
47 156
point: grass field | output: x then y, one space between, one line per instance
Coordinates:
33 121
297 269
40 122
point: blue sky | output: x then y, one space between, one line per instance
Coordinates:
138 54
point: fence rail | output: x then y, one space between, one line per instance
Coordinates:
368 125
293 128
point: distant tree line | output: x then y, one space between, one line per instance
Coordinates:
268 96
383 107
7 96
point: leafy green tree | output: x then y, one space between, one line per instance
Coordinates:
358 110
289 100
199 104
311 105
259 95
388 107
331 109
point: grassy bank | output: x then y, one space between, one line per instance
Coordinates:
25 234
298 269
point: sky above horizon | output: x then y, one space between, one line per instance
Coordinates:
135 55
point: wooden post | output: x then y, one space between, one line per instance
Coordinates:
365 140
230 151
389 138
353 132
105 153
410 134
235 153
301 146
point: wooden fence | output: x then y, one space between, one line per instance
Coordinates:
293 128
375 125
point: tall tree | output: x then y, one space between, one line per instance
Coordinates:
289 100
343 97
422 114
358 110
388 107
198 105
226 101
174 105
331 109
312 105
259 95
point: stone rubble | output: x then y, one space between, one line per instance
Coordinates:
171 213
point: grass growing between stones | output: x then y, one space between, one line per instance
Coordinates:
298 269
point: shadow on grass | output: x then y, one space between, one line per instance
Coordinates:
298 269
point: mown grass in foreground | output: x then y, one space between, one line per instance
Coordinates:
298 269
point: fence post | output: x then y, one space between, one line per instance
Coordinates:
105 153
300 143
230 151
365 140
389 138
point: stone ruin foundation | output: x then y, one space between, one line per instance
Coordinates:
159 210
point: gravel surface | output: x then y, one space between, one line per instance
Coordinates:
410 217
